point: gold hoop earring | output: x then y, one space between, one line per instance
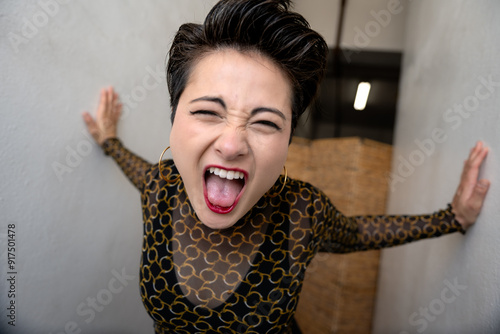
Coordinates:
284 183
160 171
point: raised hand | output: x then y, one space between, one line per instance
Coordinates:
107 116
469 197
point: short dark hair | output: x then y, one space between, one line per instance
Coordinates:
267 27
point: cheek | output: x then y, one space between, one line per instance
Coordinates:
179 142
274 157
181 131
174 138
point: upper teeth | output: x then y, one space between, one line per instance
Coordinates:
226 174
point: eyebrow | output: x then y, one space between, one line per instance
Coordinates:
254 112
211 99
266 109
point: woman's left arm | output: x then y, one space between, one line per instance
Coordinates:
348 234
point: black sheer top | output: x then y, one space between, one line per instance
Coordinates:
246 278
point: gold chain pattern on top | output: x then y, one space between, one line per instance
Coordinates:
247 278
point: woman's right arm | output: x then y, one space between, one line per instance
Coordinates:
103 130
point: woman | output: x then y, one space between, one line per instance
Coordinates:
226 238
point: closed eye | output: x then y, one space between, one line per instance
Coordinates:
270 124
204 112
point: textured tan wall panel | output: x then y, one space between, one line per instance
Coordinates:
339 289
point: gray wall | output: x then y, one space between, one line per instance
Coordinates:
450 98
77 220
376 25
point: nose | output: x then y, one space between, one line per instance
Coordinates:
232 143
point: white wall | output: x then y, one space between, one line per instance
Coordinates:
77 219
375 25
322 15
450 284
369 25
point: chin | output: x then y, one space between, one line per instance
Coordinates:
217 221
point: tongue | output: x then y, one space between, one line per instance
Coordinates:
222 192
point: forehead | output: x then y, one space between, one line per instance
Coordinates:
239 74
237 57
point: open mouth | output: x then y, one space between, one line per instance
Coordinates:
223 188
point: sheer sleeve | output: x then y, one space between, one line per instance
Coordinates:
357 233
133 166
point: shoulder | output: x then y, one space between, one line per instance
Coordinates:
160 173
308 199
304 190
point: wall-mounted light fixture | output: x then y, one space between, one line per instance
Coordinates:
362 95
